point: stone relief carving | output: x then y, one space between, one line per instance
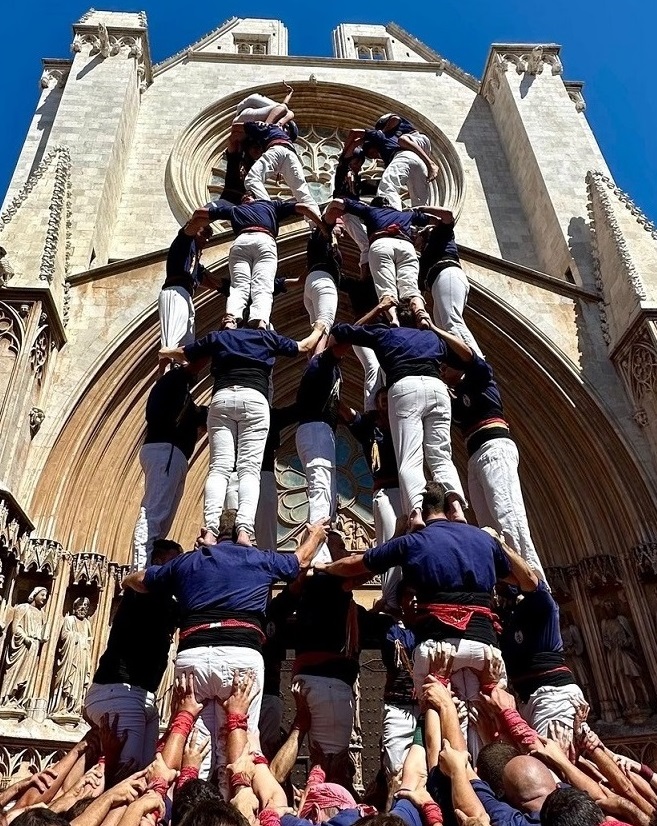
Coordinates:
6 270
40 352
645 559
638 365
27 634
575 651
601 571
102 42
578 99
625 670
11 328
89 568
37 417
531 63
73 667
41 555
53 78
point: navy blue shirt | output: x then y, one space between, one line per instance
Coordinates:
265 214
404 127
476 398
531 643
440 251
446 562
224 581
401 351
378 449
499 812
318 395
243 358
380 219
264 134
183 267
403 809
386 145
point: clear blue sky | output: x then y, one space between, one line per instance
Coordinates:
608 45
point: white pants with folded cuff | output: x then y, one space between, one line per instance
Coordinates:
374 378
315 443
552 703
420 418
214 668
355 229
394 267
466 670
331 704
450 294
165 470
407 172
397 732
496 496
283 161
176 312
238 424
138 717
320 298
255 108
252 262
386 509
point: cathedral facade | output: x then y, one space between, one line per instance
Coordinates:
563 268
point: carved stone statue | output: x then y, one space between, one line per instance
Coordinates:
27 633
624 667
573 647
73 661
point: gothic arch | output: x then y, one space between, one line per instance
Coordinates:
585 492
333 105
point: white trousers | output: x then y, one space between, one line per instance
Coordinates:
355 229
331 704
137 713
420 418
374 378
270 723
316 449
252 262
406 172
165 471
266 521
320 298
255 107
450 294
238 423
386 509
394 267
398 729
283 161
551 703
214 667
496 496
468 665
176 311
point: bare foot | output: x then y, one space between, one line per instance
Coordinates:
243 538
433 172
206 537
455 511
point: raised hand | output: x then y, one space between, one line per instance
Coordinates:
452 760
242 693
441 660
184 698
196 749
302 718
492 674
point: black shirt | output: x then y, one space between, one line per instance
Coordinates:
439 252
171 415
361 292
183 267
323 255
274 651
318 395
281 417
378 449
321 627
137 650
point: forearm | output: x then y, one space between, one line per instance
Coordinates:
286 757
75 774
446 216
464 796
433 737
576 777
451 726
236 743
62 768
96 812
135 581
368 318
174 353
308 343
14 791
455 343
644 788
350 566
406 143
267 788
308 213
617 779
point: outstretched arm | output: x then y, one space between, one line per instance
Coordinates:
386 302
350 566
409 144
135 581
200 218
311 215
446 216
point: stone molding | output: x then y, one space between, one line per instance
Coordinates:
55 74
118 42
60 208
574 89
526 59
641 218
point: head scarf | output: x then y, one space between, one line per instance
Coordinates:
321 795
34 592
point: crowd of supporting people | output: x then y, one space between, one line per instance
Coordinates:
483 721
